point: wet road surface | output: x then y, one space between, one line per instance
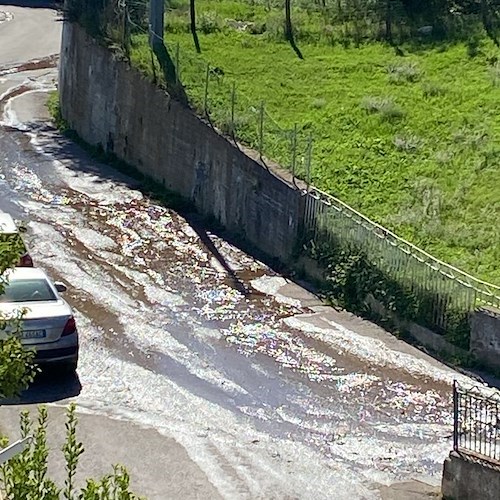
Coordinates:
272 394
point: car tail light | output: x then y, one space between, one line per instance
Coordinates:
26 261
69 327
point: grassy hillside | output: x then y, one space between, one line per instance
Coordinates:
411 141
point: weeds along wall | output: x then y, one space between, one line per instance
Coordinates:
111 105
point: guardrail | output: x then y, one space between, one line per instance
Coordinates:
328 218
476 423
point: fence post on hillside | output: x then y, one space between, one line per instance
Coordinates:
455 415
177 64
308 160
125 44
261 128
156 22
205 97
233 103
294 149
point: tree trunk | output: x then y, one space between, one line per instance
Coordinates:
192 14
289 30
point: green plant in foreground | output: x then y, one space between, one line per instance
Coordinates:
17 367
54 108
25 476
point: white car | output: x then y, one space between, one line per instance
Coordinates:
48 324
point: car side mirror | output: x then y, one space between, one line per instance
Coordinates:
60 287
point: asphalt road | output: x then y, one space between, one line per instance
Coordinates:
192 349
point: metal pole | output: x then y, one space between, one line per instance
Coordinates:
205 100
233 102
177 64
156 22
152 17
261 128
308 161
455 416
294 149
124 28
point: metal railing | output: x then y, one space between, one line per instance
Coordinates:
327 217
476 422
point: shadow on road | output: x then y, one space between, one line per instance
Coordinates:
49 386
79 160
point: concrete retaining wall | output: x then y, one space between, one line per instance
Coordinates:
466 480
111 105
485 337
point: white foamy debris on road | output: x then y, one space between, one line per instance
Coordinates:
369 349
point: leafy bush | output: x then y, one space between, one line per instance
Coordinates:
209 22
474 44
17 367
385 107
352 277
432 89
495 74
403 73
25 476
407 143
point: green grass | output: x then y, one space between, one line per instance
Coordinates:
412 142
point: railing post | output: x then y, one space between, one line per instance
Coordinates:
455 416
205 98
294 149
233 103
261 129
308 161
177 64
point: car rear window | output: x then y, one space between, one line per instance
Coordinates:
27 290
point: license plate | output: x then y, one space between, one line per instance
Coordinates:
33 334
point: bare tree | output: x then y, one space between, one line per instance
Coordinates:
192 15
289 29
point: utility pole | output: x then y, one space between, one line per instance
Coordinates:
156 22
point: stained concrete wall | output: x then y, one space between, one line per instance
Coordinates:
485 337
111 105
464 479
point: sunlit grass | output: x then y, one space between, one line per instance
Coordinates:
412 142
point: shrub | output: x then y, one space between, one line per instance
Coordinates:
403 73
352 277
495 74
432 89
407 143
385 107
25 475
474 44
209 22
319 103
